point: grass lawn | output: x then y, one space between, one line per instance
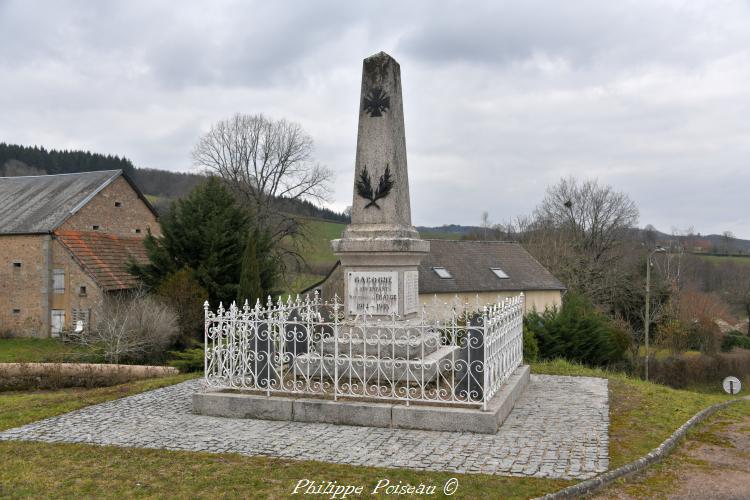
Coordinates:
642 416
23 350
739 259
19 408
665 477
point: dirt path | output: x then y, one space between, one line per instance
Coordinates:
712 463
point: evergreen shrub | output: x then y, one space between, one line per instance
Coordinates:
577 332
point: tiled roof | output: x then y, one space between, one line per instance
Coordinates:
105 257
40 203
470 264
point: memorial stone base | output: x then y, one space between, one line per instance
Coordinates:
236 404
397 354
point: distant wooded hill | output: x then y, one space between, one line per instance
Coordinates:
161 186
713 244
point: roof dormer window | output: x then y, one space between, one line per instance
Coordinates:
499 273
442 273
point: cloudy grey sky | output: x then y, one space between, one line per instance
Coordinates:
501 98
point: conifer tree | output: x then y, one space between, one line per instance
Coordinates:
250 287
205 232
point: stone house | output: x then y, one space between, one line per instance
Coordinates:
65 240
473 273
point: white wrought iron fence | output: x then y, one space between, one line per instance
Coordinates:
310 347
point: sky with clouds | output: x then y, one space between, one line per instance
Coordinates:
501 99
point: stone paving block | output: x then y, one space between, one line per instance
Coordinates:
554 415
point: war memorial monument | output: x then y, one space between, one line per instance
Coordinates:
364 375
371 357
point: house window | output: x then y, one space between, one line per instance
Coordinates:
16 312
442 273
499 273
82 290
137 231
95 228
118 204
58 280
16 265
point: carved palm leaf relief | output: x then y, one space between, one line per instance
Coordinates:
365 190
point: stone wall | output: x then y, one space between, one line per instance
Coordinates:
130 218
23 284
537 300
73 297
26 295
25 303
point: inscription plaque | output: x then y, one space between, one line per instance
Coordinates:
375 292
411 292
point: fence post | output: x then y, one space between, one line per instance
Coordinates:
335 347
485 342
205 341
522 307
269 329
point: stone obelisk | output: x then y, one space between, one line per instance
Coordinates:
380 250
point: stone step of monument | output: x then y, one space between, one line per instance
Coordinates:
373 370
383 345
384 330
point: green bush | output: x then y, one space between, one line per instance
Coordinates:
731 341
577 332
530 345
182 291
189 360
682 370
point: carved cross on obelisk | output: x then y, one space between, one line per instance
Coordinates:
380 250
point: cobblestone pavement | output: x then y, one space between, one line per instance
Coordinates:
558 428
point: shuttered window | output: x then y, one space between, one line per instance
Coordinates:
58 280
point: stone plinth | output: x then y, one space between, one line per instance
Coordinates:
371 414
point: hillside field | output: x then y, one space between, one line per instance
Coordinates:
319 255
739 259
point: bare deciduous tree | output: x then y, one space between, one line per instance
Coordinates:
738 288
596 217
727 240
264 160
130 326
579 232
486 224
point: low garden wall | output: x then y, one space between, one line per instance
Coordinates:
26 376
